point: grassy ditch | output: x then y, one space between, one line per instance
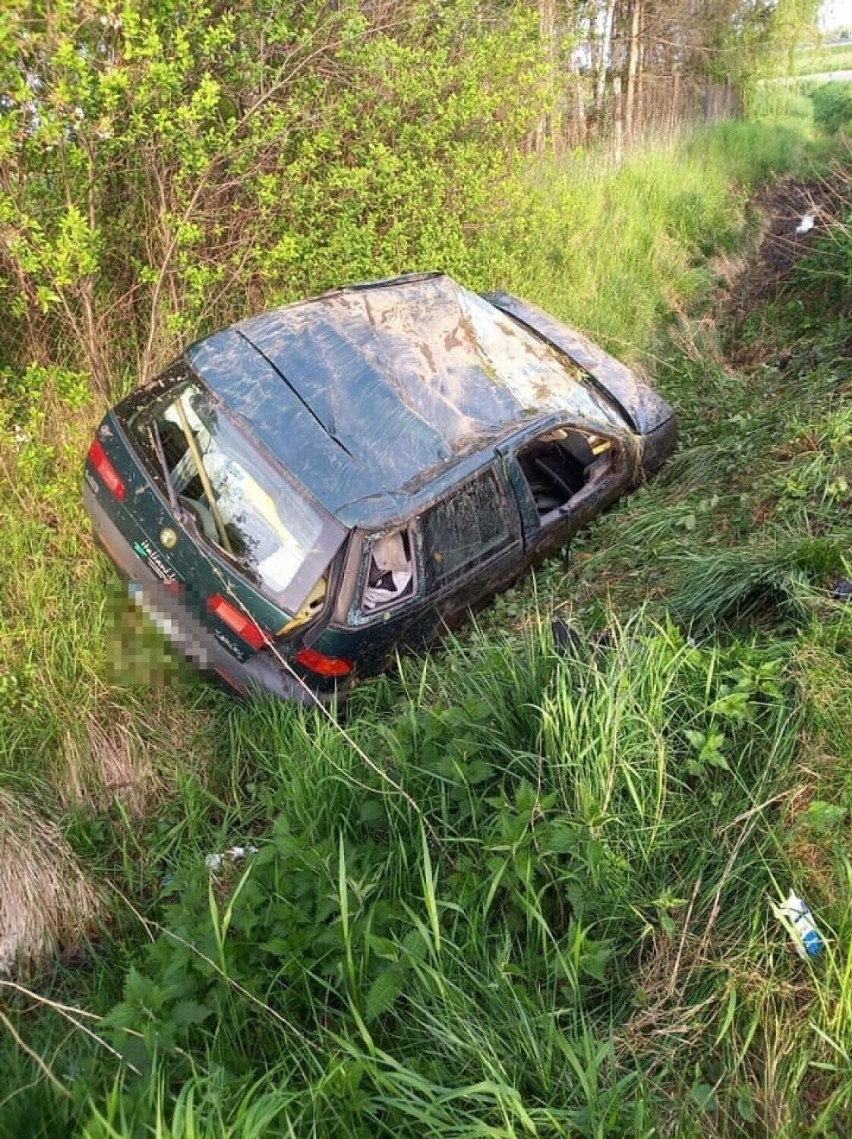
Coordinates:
620 249
523 886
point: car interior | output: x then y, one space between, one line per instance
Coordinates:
232 509
391 573
558 466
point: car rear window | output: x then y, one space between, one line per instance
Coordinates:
464 530
241 502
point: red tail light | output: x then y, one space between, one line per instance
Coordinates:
243 626
323 665
108 474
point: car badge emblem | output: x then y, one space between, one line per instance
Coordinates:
168 538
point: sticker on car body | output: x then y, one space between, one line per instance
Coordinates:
151 556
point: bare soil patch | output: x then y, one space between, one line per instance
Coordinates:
796 213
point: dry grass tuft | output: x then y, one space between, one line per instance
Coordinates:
111 763
112 758
47 904
727 268
664 1021
696 338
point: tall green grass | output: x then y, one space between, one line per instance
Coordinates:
619 249
503 956
563 927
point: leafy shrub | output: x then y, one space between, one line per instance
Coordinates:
832 105
281 149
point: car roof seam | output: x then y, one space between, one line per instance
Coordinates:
297 394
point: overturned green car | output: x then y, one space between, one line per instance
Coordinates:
306 492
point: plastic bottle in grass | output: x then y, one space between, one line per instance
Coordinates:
796 915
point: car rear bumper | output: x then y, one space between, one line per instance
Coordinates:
263 672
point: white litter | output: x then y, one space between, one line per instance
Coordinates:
807 223
214 862
796 917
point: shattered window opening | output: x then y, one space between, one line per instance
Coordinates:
559 465
268 524
390 577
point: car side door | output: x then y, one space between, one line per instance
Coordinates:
471 543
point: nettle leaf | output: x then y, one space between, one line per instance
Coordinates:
186 1013
143 993
478 771
448 766
595 856
373 811
822 816
595 958
525 796
559 838
383 993
712 751
383 947
735 706
577 893
709 750
277 946
667 925
478 711
414 945
514 829
716 759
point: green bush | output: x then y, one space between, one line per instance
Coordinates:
832 105
185 166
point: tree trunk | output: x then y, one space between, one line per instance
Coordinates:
547 32
632 70
640 111
579 106
617 119
603 65
676 109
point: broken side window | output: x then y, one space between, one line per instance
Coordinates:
240 502
558 465
390 575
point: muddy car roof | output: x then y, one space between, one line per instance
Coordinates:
366 392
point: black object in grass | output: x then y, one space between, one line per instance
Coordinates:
842 590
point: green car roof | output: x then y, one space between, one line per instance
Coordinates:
366 393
